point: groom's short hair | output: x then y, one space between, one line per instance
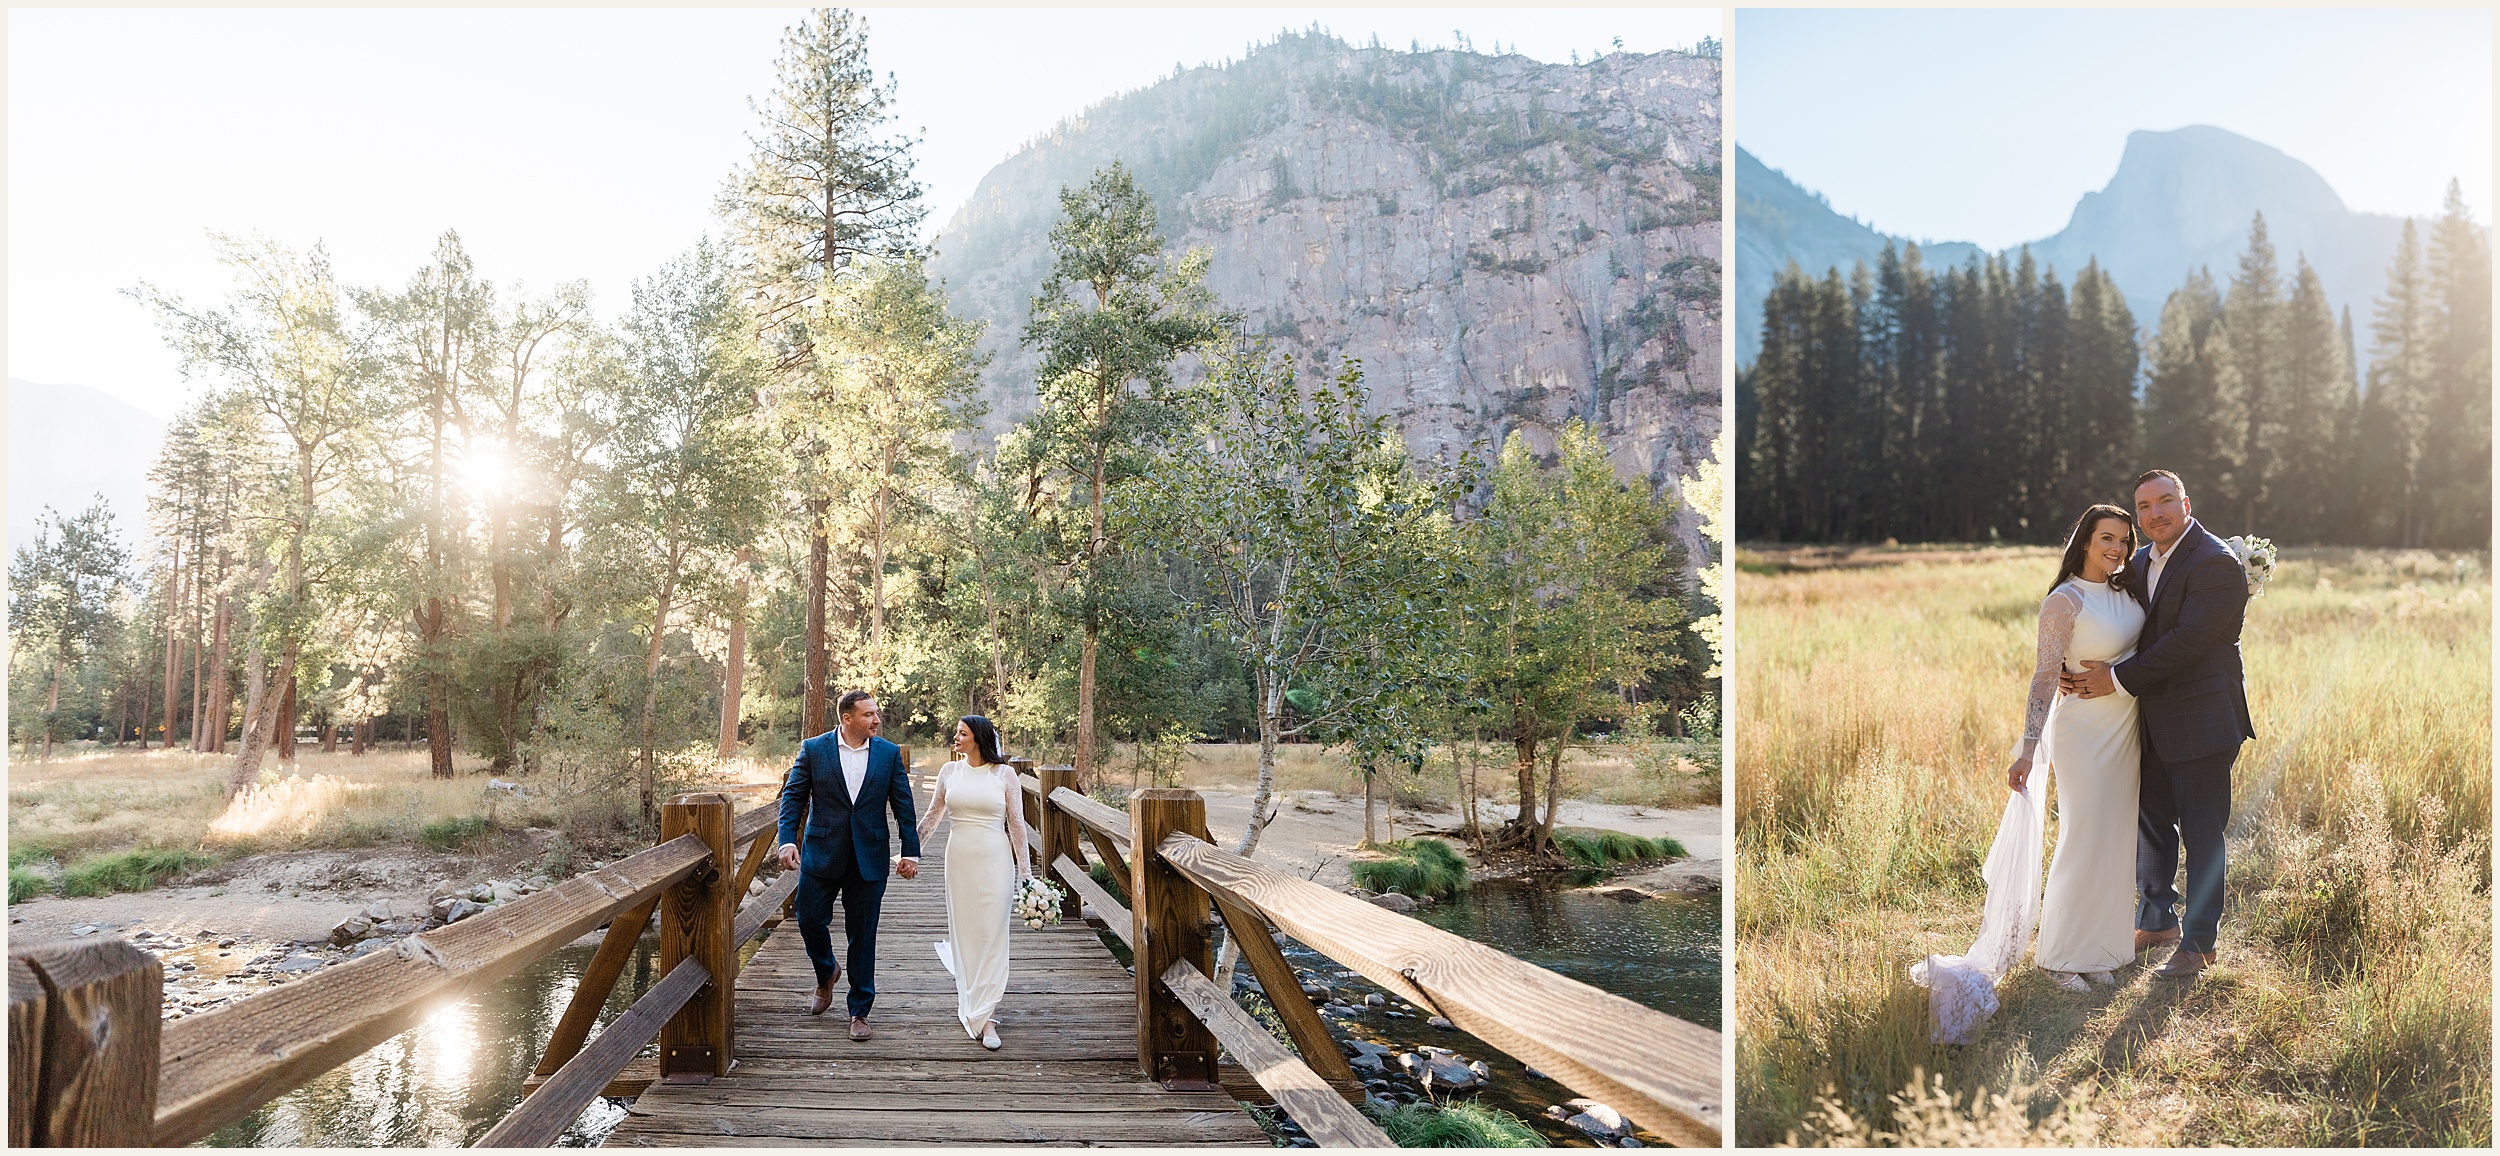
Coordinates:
2149 475
849 699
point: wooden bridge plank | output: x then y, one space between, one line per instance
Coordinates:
1067 1074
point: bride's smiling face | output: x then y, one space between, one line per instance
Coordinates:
963 740
2107 553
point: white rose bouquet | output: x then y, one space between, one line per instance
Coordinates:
2257 558
1037 902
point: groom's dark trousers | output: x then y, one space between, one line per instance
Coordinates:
2193 707
845 852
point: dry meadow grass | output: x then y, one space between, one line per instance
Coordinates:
92 805
1880 693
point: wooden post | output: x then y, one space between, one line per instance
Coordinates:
27 1003
1168 921
695 920
1060 835
87 1013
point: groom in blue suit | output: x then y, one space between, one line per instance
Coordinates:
2192 706
839 790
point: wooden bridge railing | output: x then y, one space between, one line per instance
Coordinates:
92 1063
1660 1071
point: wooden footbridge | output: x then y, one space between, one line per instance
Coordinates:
1095 1054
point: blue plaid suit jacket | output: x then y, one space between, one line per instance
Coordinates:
2191 693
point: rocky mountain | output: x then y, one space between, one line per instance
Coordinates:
69 443
2179 200
1505 244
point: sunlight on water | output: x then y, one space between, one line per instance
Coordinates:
444 1082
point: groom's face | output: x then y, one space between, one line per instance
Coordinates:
2161 508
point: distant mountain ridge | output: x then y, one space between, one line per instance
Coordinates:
2179 200
1504 243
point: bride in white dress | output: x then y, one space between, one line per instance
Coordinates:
2087 917
978 794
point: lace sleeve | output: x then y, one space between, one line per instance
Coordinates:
2057 627
1017 847
937 805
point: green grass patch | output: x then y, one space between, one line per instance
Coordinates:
1462 1124
23 884
453 834
27 852
1423 868
136 870
1598 850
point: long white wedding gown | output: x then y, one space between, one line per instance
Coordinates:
2086 921
983 835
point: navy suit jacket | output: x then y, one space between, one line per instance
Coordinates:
841 829
2191 693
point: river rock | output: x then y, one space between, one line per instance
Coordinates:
379 911
1402 904
84 929
404 925
1375 999
506 892
1483 1071
1318 991
1629 1142
482 893
298 964
351 929
1368 1048
1411 1063
460 909
1447 1074
368 947
1363 1063
1597 1119
1442 1022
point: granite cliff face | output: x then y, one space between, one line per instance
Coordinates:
1505 244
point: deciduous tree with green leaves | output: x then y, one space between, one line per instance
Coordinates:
694 470
1555 619
1317 546
61 592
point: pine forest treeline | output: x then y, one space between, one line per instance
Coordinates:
608 552
1990 402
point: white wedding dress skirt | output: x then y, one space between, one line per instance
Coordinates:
980 891
2087 919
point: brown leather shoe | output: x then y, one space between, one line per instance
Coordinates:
2148 940
2185 964
824 999
859 1027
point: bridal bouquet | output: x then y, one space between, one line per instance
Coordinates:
2257 558
1037 902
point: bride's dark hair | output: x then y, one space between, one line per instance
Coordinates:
2079 541
984 739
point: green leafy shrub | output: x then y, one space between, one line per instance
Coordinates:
1598 850
452 834
23 884
1423 868
1463 1124
136 870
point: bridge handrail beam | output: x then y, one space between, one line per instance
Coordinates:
1661 1071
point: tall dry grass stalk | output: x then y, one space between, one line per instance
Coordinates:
1873 721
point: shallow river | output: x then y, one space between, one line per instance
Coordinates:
446 1081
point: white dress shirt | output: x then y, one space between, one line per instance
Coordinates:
854 765
2161 558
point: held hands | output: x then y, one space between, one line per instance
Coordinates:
908 868
2095 682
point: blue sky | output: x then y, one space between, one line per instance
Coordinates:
1987 125
562 143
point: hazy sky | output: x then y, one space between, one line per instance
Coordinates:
562 144
1986 126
